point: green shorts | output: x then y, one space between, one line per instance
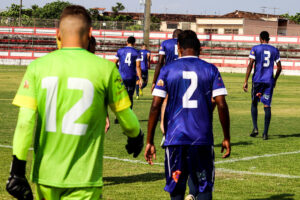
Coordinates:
52 193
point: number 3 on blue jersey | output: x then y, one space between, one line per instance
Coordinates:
186 102
267 58
128 59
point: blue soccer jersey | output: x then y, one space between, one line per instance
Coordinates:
127 62
264 55
169 49
144 59
188 115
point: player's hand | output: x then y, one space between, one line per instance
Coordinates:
150 153
19 187
107 125
17 184
152 88
226 145
245 87
135 145
141 83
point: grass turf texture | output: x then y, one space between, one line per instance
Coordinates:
125 180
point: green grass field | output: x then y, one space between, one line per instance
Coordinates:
256 170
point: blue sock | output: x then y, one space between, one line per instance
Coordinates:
267 119
254 114
137 87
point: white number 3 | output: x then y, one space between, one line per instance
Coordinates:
68 122
267 58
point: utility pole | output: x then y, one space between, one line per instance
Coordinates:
147 17
20 13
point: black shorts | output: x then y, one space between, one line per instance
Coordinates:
130 86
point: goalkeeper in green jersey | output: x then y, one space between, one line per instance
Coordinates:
67 93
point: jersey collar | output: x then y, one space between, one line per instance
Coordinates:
188 57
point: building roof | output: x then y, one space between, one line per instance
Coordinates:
249 15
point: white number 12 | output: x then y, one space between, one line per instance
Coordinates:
68 122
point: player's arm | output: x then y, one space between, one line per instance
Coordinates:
150 152
139 72
248 72
149 60
225 123
116 61
17 184
278 71
159 65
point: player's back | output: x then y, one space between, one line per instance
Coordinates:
265 55
72 94
188 115
169 49
127 62
144 59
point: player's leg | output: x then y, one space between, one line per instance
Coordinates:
256 93
175 171
137 89
200 161
145 78
266 99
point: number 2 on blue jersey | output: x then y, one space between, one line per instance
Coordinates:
186 102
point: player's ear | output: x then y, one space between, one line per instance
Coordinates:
58 34
179 50
90 32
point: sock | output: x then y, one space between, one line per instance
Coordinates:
254 114
137 87
267 119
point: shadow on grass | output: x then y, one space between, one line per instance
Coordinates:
278 197
146 177
143 120
236 144
287 136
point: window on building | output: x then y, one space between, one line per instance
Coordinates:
172 25
211 31
231 31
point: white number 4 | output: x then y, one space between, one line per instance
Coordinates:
186 102
267 58
68 122
128 59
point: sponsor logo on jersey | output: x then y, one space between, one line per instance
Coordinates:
175 175
119 82
160 83
26 84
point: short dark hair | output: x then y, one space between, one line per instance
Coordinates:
188 39
264 35
92 45
77 11
176 32
131 40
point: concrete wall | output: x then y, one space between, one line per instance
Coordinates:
254 27
293 29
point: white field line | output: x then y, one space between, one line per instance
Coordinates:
217 169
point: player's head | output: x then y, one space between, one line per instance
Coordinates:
131 40
144 46
74 26
176 33
92 45
188 43
264 36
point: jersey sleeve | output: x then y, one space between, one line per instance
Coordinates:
162 50
218 88
252 53
118 99
160 89
277 56
117 56
139 56
26 94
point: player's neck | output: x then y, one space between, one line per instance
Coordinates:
129 45
72 42
188 52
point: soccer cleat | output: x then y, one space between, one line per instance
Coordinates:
163 141
189 197
137 97
116 121
141 91
254 133
265 137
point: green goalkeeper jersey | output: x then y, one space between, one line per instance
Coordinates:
70 89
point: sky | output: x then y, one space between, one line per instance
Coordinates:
198 7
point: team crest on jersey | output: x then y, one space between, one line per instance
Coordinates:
175 175
160 83
26 84
119 82
252 52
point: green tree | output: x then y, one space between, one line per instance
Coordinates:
12 11
52 10
116 9
295 18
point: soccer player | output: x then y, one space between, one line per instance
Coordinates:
145 56
188 120
168 52
68 91
129 66
262 57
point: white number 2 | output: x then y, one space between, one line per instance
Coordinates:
128 59
267 58
68 123
186 102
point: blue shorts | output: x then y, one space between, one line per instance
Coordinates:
262 92
195 162
144 77
130 86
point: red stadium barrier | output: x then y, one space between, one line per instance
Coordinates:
153 35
